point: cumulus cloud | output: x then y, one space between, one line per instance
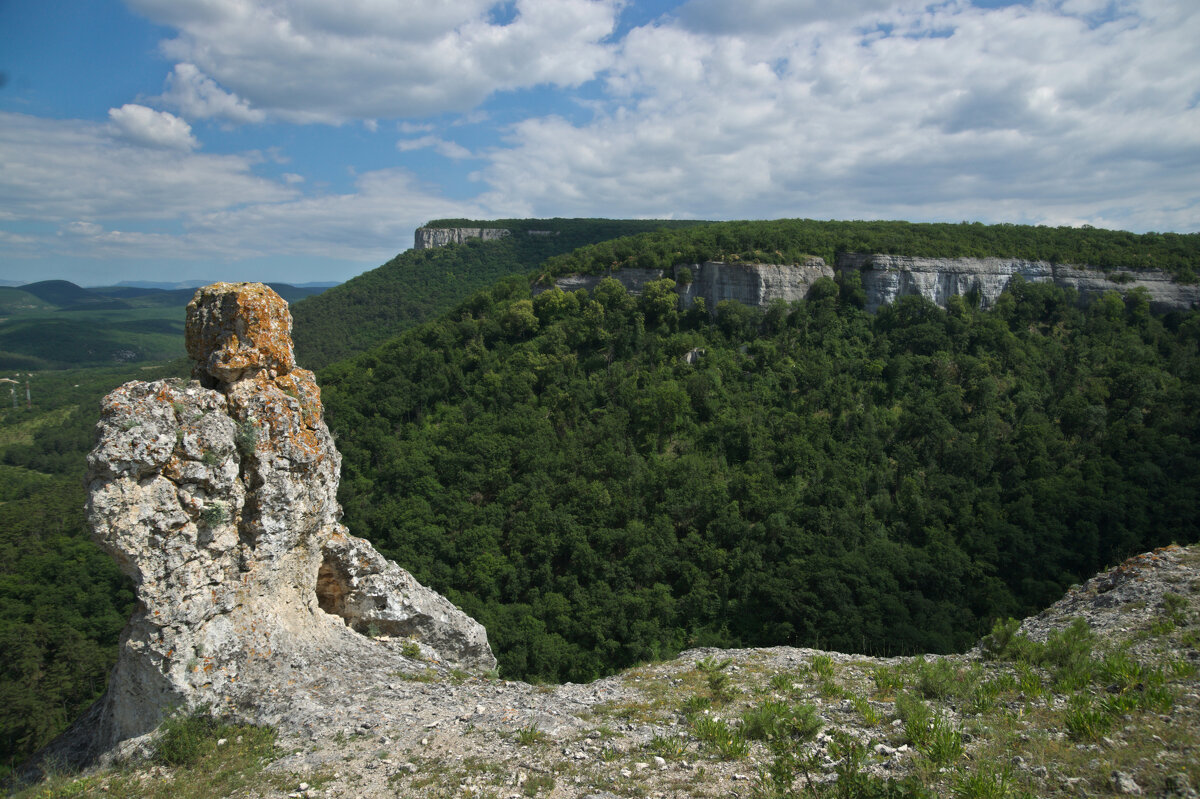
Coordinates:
316 61
369 224
1040 113
67 169
107 198
142 125
199 97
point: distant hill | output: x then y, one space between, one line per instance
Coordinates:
16 301
195 284
55 324
67 296
419 285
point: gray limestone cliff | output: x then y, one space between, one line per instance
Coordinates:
888 277
885 278
427 238
755 285
218 497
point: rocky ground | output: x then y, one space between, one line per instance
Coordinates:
1096 696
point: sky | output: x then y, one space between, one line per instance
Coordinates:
305 140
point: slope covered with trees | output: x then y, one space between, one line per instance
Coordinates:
420 285
791 240
63 602
601 479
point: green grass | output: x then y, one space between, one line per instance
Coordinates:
203 756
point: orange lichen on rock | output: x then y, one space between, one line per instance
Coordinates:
235 330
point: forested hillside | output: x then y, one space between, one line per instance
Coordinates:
63 602
420 285
791 240
602 479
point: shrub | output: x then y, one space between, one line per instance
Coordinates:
887 680
943 743
245 438
985 782
1085 721
765 720
214 513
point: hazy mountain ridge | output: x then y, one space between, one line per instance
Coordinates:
55 324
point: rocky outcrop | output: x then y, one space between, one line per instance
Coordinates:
888 277
633 279
755 285
427 238
218 496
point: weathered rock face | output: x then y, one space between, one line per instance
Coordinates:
218 496
429 237
888 277
755 285
633 279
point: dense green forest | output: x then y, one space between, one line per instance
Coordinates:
602 479
421 285
62 601
818 476
791 240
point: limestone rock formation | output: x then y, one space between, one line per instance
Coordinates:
427 238
218 496
887 277
755 285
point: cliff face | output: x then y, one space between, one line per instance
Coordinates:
713 281
887 277
427 238
218 496
750 284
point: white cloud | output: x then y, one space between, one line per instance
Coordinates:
1022 113
769 16
141 125
370 224
107 198
64 170
316 61
199 97
442 147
